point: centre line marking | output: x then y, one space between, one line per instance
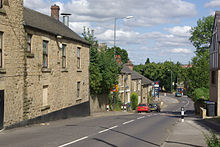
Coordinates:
128 122
73 141
107 129
140 117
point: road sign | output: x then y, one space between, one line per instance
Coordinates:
115 88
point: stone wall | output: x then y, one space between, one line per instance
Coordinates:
98 103
22 77
12 73
61 82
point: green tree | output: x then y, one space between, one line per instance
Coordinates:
123 53
103 67
202 34
147 61
198 75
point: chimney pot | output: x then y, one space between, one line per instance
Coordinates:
55 10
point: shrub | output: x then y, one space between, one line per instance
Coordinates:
134 100
213 140
200 93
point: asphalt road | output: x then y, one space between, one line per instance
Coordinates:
145 129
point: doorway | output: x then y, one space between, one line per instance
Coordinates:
1 109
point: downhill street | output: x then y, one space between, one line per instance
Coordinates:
145 129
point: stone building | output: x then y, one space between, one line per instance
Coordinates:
44 66
215 63
134 82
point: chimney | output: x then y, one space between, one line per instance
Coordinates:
66 18
55 11
130 65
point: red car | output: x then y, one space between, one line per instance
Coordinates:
143 108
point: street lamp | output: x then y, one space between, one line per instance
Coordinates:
170 80
127 17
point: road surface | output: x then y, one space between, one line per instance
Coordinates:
145 129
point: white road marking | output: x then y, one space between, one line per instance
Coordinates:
107 129
103 131
128 122
141 117
73 141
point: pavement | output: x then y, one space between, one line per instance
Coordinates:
187 133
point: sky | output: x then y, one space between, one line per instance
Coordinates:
159 29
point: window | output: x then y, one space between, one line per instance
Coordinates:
29 36
1 3
63 56
213 77
78 58
1 42
78 89
122 80
45 54
45 95
139 84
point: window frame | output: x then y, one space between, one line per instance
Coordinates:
78 58
1 49
78 90
64 55
45 54
29 40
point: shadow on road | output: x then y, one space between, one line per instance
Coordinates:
180 143
100 140
145 141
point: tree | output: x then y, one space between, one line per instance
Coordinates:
147 61
123 53
198 75
202 34
103 67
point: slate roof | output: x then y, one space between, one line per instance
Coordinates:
48 24
135 75
125 69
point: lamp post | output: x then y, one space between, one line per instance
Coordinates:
171 80
115 23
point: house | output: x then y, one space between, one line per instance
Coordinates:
44 66
134 82
124 84
214 91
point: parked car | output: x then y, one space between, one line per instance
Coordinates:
154 107
143 108
178 94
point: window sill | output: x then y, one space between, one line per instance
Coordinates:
2 11
2 71
78 99
64 70
45 107
79 70
46 70
29 55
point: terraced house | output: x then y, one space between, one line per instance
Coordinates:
44 66
130 81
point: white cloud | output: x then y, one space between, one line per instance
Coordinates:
180 31
181 50
99 15
213 3
79 26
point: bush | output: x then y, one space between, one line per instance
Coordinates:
134 100
213 140
200 93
